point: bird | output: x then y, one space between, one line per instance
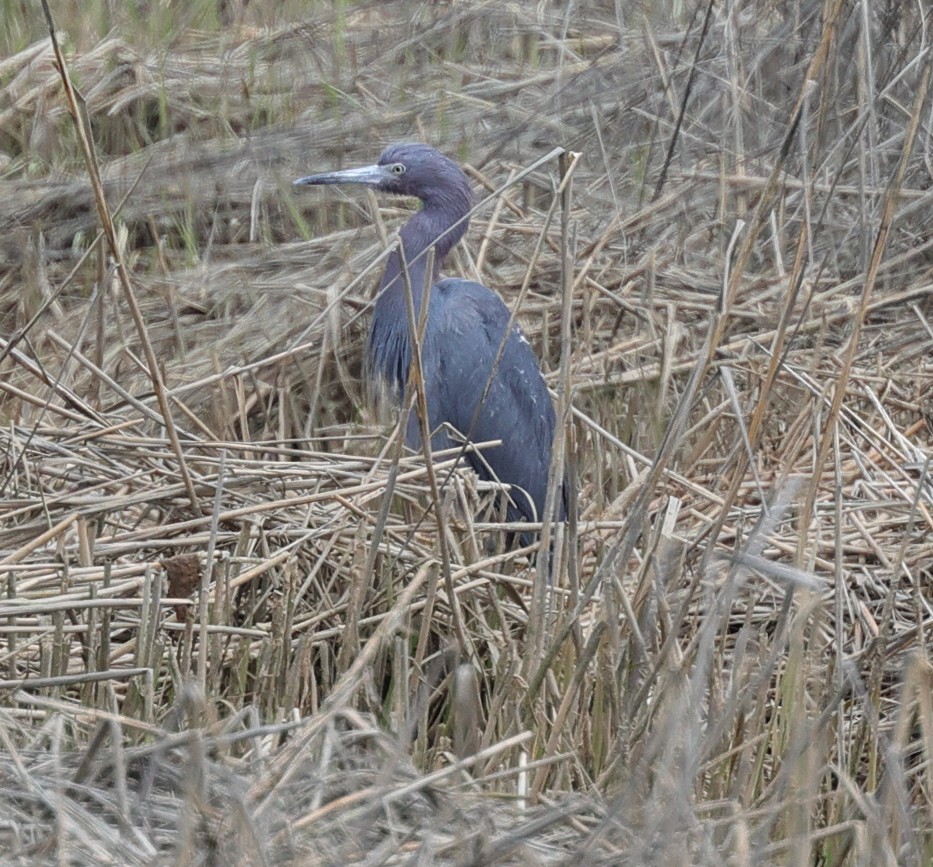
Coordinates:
467 323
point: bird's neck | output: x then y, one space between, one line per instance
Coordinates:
389 343
439 224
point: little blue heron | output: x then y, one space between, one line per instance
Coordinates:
465 327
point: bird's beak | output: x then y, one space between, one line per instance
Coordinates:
370 176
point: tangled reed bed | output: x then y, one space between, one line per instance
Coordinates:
734 662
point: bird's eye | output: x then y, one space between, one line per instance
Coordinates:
398 169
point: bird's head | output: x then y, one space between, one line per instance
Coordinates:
404 170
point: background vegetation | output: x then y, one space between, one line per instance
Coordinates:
228 634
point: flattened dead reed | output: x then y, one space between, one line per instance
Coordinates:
735 661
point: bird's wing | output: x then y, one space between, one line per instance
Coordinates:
466 326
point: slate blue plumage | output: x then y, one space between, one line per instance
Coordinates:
465 326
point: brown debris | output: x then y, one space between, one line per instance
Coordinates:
184 577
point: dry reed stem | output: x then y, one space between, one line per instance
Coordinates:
115 251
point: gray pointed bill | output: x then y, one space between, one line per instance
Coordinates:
370 176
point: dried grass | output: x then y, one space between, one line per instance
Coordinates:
735 661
